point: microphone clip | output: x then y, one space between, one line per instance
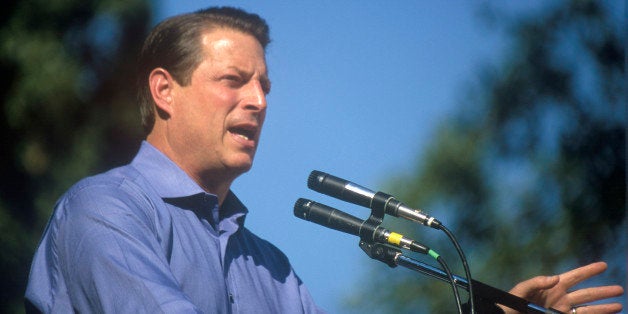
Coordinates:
376 218
380 252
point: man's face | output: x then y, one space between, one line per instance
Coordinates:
217 119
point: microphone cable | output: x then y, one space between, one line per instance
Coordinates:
465 265
452 280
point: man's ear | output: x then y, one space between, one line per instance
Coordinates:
161 88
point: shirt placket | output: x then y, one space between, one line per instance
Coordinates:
222 238
227 227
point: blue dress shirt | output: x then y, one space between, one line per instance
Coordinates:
145 238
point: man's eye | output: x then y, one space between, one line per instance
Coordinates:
266 87
233 78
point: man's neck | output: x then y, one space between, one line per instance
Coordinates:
214 181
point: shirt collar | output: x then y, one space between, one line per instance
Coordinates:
233 207
164 175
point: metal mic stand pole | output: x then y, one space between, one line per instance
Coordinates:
393 257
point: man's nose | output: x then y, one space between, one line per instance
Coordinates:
255 96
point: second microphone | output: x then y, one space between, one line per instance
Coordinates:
341 221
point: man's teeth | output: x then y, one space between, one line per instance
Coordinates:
242 136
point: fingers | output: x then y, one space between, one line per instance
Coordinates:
531 286
575 276
595 294
552 291
599 309
567 279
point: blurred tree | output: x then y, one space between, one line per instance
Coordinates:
67 111
530 175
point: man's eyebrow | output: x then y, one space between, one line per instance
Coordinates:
264 80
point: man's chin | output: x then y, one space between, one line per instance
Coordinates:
241 166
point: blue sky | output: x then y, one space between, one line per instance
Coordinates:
358 88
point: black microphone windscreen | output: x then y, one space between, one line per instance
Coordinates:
300 210
327 184
315 179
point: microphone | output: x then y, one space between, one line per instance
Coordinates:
356 194
341 221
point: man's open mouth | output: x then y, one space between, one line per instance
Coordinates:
247 133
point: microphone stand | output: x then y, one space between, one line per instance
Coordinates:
393 257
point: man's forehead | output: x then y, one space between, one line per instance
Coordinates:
223 35
232 46
210 40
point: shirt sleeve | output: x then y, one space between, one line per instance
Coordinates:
107 255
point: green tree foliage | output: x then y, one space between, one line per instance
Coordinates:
530 174
68 110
